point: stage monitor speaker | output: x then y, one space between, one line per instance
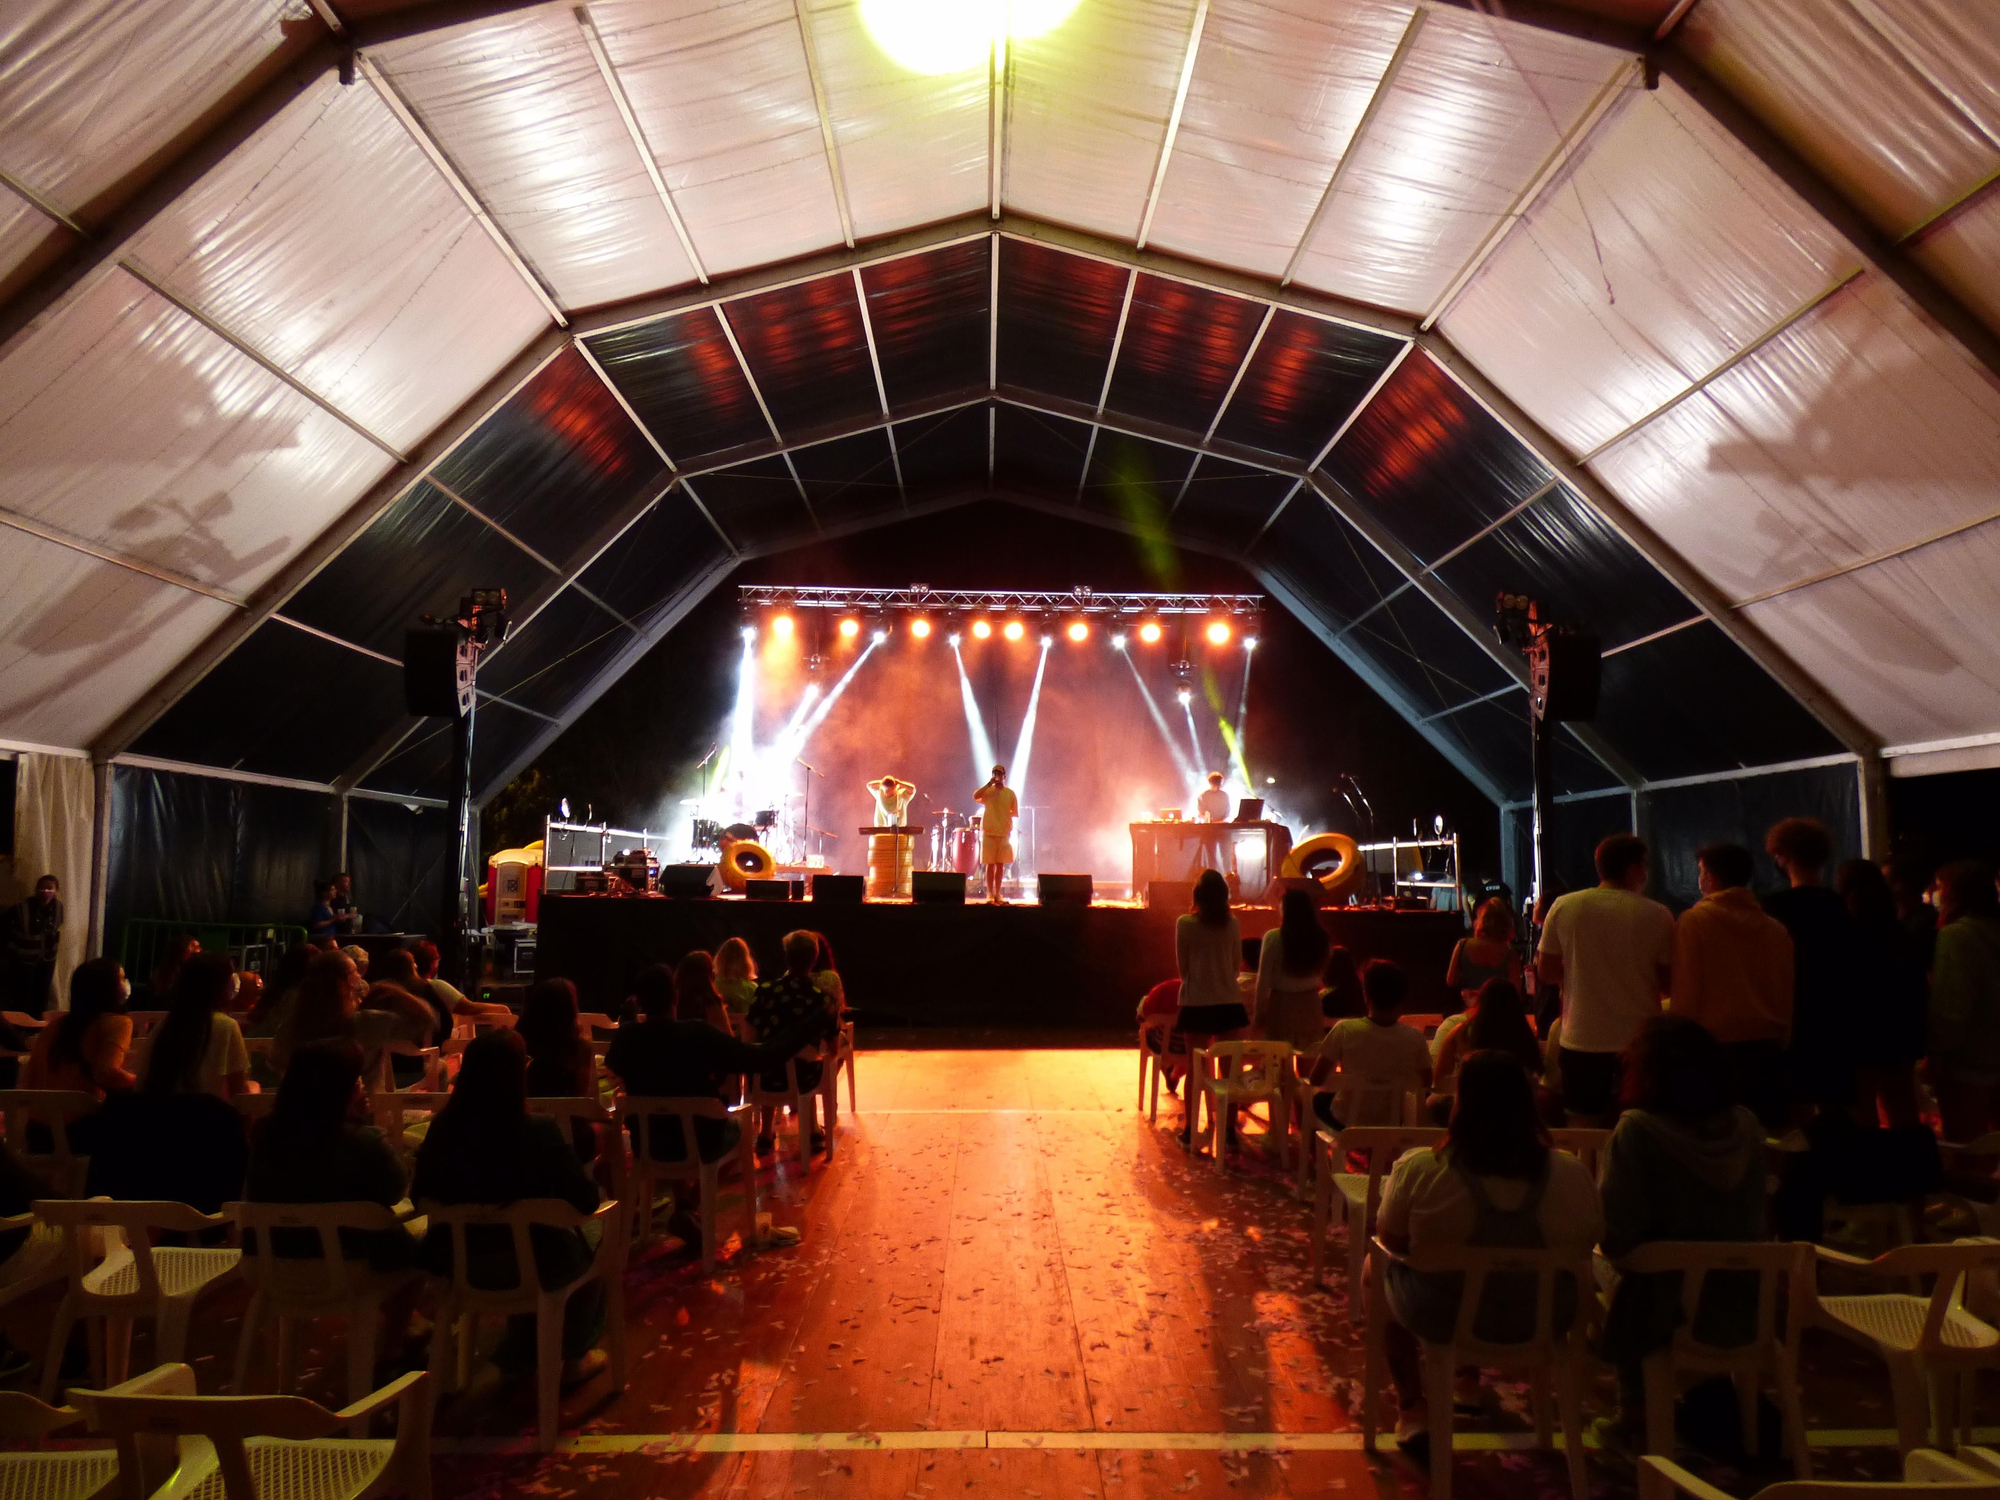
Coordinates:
846 890
1063 890
1170 895
1576 672
430 673
767 890
687 882
937 888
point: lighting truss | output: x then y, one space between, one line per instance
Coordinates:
921 597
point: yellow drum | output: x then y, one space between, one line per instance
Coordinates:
889 863
1310 861
743 861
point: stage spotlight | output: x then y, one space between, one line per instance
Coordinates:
920 628
1184 697
1078 630
781 627
749 632
1249 643
879 635
952 640
981 630
1217 632
1150 632
1118 642
1014 630
849 628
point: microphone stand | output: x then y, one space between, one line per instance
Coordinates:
805 810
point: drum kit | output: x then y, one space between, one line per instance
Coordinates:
955 842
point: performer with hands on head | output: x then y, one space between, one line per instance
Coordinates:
892 801
996 828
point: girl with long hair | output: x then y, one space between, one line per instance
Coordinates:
696 993
735 979
1497 1022
1487 954
1288 968
1340 986
85 1051
197 1049
1208 955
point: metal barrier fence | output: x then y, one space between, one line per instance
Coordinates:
255 946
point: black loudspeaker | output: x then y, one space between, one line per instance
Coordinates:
846 890
1063 890
767 890
687 882
1574 673
1170 895
430 673
937 888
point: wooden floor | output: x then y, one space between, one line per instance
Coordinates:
1009 1282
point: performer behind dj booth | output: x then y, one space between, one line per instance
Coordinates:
996 827
1215 850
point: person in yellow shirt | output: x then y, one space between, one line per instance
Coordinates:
1733 974
996 828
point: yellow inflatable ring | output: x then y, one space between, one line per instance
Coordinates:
743 861
1348 868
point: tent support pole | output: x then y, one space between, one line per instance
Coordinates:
100 855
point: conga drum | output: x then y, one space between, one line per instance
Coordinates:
889 863
965 850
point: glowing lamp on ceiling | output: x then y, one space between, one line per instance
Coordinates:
951 36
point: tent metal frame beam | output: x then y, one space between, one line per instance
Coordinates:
1188 60
839 178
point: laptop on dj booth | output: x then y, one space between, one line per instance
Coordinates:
1250 810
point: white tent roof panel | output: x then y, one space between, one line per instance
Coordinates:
520 108
128 424
1272 105
1963 251
1469 120
24 229
724 97
81 639
1666 251
331 245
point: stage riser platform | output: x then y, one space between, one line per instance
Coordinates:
1015 968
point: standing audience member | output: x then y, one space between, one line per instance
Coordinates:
485 1147
1497 1022
1377 1045
1965 1002
1494 1182
1733 975
1487 954
1208 952
1340 987
1288 968
736 977
693 993
1610 951
322 922
1910 883
196 1048
1893 994
1685 1163
84 1051
34 934
1827 1038
791 1005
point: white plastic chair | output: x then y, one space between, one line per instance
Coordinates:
1550 1357
644 1116
134 1278
1357 1099
55 1110
38 1263
1154 1033
267 1447
1926 1474
808 1106
429 1081
1770 1352
1925 1341
843 1060
1226 1076
1358 1193
461 1304
392 1113
1586 1143
71 1474
303 1288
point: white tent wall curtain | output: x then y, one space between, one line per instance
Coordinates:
55 797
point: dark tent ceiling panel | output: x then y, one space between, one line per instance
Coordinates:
547 662
808 352
757 504
943 453
685 383
1325 561
1497 736
850 480
930 313
1058 318
1134 479
1226 504
420 557
421 767
1417 644
1182 347
1039 452
662 553
284 703
1566 556
1307 376
1430 463
557 463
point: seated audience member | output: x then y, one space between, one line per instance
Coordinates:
249 994
1686 1162
1289 961
196 1049
277 993
160 983
181 1147
826 978
484 1147
1340 987
791 1005
1965 1001
736 977
1377 1045
443 994
396 968
1828 1042
559 1060
84 1051
693 993
1493 1182
1496 1023
1487 954
1161 1003
1733 975
327 1004
1894 994
317 1146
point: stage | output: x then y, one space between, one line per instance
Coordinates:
1025 969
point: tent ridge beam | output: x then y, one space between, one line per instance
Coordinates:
1159 181
15 521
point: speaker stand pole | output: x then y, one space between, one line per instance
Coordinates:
461 891
1543 752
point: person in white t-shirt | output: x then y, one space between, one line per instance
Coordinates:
197 1049
1611 952
1377 1045
1211 811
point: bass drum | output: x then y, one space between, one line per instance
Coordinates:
745 860
1333 859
